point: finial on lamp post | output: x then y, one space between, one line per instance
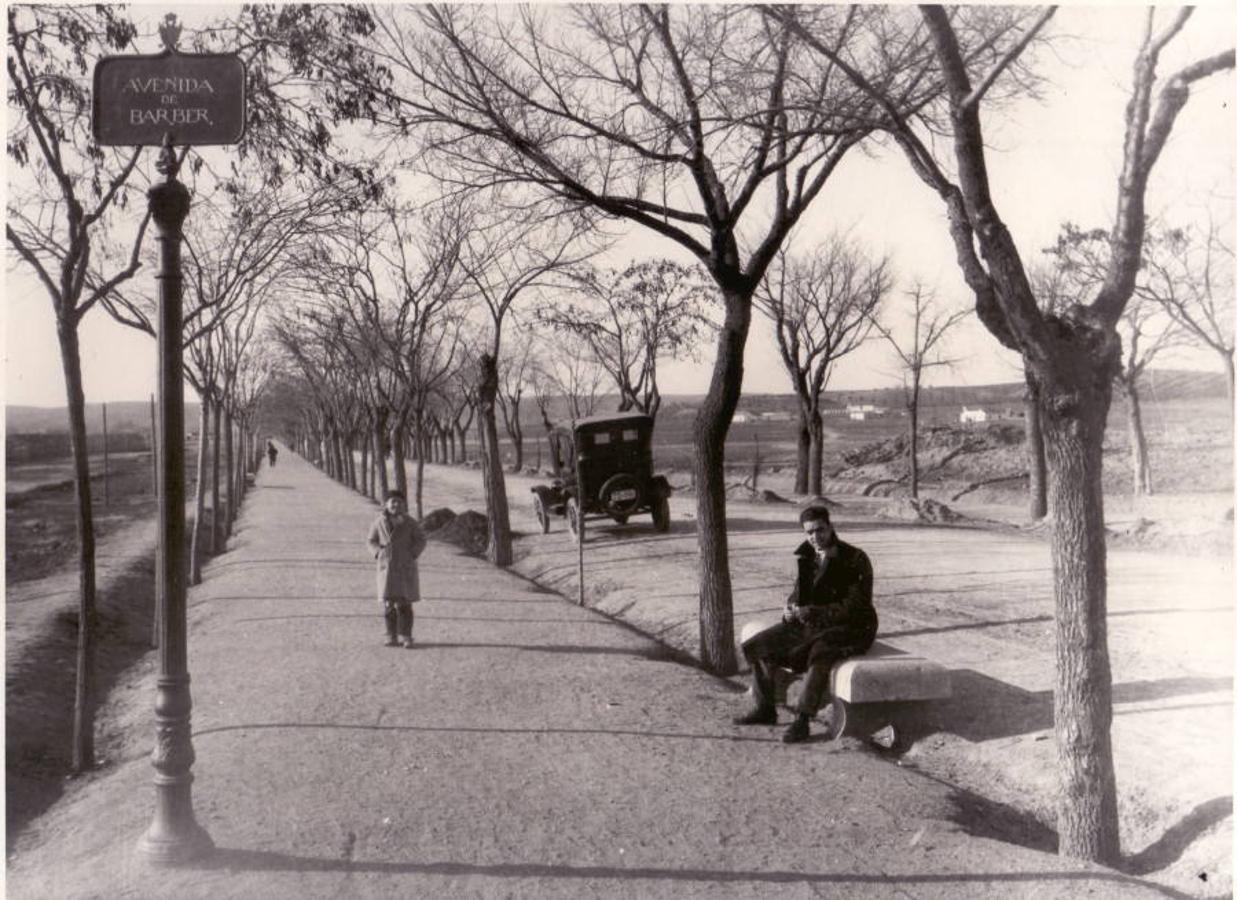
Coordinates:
167 164
169 32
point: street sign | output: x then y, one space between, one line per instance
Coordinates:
197 98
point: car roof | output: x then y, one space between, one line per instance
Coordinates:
632 416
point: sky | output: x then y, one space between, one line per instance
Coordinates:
1052 160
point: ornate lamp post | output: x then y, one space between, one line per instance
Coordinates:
174 835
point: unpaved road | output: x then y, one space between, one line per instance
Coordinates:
979 601
526 748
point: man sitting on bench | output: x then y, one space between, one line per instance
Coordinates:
829 616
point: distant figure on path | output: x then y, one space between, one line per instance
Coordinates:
829 616
396 540
271 453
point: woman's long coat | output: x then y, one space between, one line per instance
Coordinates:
396 542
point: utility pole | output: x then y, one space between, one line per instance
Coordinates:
107 500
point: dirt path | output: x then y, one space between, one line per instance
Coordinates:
980 602
526 748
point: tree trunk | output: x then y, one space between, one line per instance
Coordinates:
83 701
709 429
498 549
517 438
365 482
230 468
1082 710
398 439
380 462
238 475
107 488
1037 465
420 486
816 466
216 533
463 433
199 499
914 448
1140 463
1229 371
803 454
337 451
422 439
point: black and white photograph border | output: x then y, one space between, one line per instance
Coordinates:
611 295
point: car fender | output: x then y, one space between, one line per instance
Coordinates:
660 487
550 494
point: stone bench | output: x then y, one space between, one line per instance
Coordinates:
882 688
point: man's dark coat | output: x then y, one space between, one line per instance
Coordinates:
840 620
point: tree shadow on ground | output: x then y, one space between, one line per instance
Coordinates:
1028 620
267 861
983 708
980 817
1174 842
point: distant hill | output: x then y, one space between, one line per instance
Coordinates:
1157 386
121 416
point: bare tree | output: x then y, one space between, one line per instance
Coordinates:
1072 358
567 370
1189 273
501 260
916 354
512 380
460 403
822 307
58 226
634 317
1081 259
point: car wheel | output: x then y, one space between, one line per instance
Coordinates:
543 517
621 519
661 514
575 521
619 494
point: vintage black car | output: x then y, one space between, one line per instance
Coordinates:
603 466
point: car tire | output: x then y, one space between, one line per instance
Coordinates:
620 482
543 516
661 514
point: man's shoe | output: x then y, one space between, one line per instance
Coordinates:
757 716
798 732
392 642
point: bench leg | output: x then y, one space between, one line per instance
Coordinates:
838 721
861 720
